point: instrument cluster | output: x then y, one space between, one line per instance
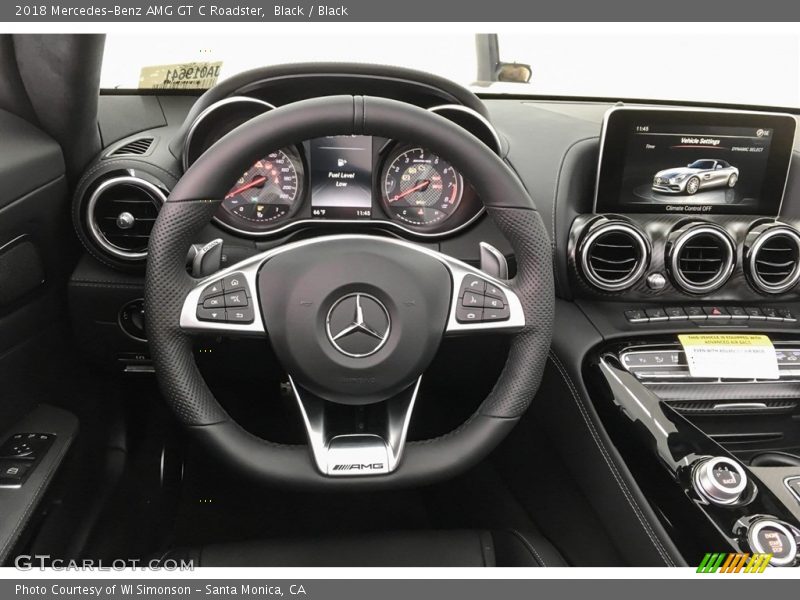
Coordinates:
343 179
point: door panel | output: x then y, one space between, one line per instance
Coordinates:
37 250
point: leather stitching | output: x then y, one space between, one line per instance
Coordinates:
526 542
609 461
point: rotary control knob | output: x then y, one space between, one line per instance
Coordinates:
720 480
769 536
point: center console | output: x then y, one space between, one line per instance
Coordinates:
687 237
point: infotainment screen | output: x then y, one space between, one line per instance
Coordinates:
341 177
691 161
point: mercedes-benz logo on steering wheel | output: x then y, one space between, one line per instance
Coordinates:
358 325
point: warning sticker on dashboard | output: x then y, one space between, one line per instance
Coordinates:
731 356
180 76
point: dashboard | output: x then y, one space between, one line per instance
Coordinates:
624 189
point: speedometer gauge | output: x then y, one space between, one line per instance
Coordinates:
420 188
267 192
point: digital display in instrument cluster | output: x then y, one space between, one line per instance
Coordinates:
341 177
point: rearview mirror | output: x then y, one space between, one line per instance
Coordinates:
514 72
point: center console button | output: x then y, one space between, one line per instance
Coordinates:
676 313
636 316
754 313
716 313
771 314
655 314
737 312
768 536
720 480
695 313
786 315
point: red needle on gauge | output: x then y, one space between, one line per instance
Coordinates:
256 182
416 188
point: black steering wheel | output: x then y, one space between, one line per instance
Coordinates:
354 319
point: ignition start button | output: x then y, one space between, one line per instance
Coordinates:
720 480
773 537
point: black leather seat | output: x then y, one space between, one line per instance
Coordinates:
461 548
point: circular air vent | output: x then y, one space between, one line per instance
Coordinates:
773 259
701 259
613 256
120 214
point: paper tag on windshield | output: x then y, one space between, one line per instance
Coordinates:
730 356
180 76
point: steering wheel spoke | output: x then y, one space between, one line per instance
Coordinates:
225 303
373 449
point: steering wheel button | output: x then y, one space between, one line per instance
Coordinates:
495 292
493 303
235 283
496 314
474 284
210 314
236 299
472 300
215 289
469 315
243 314
215 302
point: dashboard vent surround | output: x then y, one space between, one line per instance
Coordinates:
120 215
137 147
702 259
614 256
774 260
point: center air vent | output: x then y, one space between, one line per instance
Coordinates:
613 256
120 214
773 259
701 258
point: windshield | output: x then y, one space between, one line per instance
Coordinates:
647 67
702 164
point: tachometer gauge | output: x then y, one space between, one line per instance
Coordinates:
267 192
419 188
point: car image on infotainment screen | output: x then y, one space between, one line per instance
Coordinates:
699 166
694 162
